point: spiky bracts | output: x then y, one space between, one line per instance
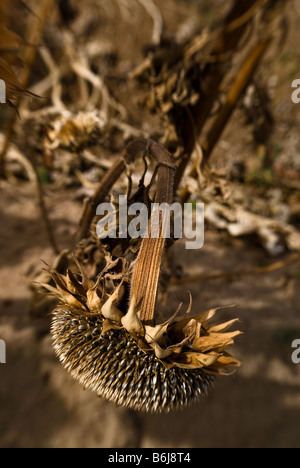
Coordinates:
100 340
113 365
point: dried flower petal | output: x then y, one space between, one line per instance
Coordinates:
93 301
109 309
222 327
215 341
108 325
130 321
193 360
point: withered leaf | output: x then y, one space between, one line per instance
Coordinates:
180 326
222 327
108 325
74 283
216 341
194 360
223 364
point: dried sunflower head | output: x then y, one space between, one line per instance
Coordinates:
103 343
108 335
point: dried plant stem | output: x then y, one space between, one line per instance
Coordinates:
130 153
33 35
213 75
154 12
148 264
243 19
7 138
147 268
90 204
35 28
233 31
231 274
44 214
238 88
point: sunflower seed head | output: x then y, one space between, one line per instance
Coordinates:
113 365
111 352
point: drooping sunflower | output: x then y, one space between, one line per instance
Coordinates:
108 333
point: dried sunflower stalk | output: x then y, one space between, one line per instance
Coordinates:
109 335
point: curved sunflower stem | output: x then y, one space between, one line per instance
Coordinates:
147 268
148 264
